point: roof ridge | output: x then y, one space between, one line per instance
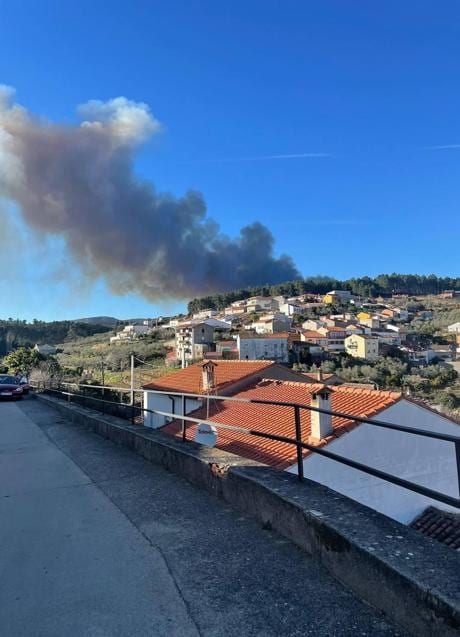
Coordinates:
233 361
423 405
360 391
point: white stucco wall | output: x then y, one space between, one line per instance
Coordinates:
425 461
162 402
261 348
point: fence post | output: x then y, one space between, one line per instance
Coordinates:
298 437
457 453
184 426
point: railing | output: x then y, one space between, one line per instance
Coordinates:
133 409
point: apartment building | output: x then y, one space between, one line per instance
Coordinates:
193 340
269 347
362 346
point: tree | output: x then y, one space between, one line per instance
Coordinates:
46 373
22 359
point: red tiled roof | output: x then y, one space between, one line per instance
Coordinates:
439 525
189 380
313 334
279 420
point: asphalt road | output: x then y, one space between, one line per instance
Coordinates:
96 541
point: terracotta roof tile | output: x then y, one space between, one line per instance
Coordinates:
313 334
439 525
279 420
189 380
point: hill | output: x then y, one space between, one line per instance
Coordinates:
16 333
107 321
383 284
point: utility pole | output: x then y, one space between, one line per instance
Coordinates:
102 374
132 379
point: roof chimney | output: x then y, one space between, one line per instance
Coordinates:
319 373
207 376
321 424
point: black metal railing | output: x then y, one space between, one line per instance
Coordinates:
135 414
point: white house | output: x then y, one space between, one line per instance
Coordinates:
424 461
291 308
261 304
271 323
204 314
454 328
131 332
46 350
387 337
269 347
418 355
313 324
217 323
222 378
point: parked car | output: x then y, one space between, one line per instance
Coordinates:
25 385
10 388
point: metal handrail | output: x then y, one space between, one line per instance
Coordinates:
279 403
297 441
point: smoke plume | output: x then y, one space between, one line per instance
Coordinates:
78 182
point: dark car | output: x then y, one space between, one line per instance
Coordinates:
10 387
26 388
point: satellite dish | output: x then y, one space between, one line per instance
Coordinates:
206 434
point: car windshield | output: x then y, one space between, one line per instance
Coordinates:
8 380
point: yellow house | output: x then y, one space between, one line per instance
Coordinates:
363 316
362 346
337 296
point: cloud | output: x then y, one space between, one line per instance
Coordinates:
443 147
267 158
77 182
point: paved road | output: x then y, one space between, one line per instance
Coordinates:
96 541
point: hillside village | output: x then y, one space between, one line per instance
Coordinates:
308 328
304 328
392 358
402 342
348 357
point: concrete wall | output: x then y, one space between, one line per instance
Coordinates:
425 461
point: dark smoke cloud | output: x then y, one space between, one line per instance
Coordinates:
78 182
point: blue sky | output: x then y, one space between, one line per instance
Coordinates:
372 88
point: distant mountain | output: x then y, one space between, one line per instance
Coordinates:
17 333
108 321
